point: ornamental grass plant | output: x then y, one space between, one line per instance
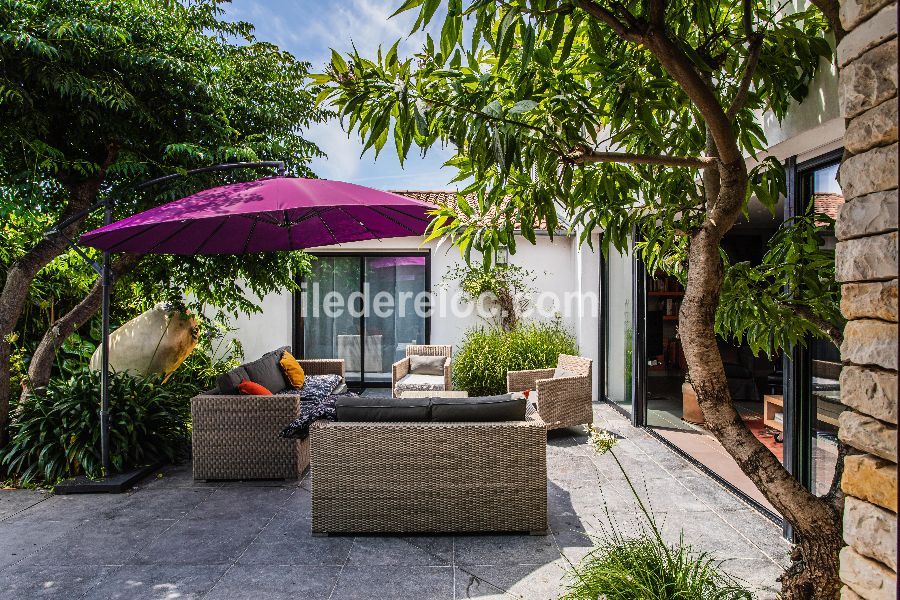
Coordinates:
487 353
645 566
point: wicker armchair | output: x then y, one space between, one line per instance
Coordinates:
400 369
418 477
563 402
236 437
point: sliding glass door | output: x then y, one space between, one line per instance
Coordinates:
365 309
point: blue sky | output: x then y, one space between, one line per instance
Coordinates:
308 29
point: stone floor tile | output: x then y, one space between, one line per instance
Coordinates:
276 582
15 501
428 551
505 550
507 582
205 541
49 582
297 550
364 582
157 582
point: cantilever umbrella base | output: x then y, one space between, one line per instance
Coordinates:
116 483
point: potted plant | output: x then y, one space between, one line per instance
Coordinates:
690 409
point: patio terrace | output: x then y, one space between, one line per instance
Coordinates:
176 538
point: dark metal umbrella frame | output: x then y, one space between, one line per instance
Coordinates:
104 271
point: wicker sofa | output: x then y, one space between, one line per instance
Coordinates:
562 401
236 436
402 379
417 477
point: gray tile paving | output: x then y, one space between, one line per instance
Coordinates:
173 537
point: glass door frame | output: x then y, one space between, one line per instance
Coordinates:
799 405
297 337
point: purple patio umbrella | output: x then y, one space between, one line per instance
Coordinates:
277 213
270 214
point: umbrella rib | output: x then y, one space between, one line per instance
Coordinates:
318 213
249 236
211 235
405 214
127 239
290 230
393 220
184 226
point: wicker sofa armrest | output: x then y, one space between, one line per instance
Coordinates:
322 366
399 370
236 437
519 381
565 401
448 373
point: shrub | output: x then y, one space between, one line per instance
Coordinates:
56 431
486 354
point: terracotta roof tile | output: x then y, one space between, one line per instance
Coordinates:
828 203
448 198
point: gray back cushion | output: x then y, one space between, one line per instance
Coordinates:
267 372
427 365
363 408
479 408
227 382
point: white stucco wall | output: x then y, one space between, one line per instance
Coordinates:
558 266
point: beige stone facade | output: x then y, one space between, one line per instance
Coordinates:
866 265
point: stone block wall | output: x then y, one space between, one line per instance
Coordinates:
866 265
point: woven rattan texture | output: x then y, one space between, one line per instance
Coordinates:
563 402
428 477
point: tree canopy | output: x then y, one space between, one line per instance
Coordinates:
97 97
552 112
641 119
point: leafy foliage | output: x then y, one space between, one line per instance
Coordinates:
535 93
760 303
645 567
507 284
486 354
56 434
115 94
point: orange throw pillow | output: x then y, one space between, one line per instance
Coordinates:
249 388
292 370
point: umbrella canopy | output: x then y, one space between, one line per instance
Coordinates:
277 213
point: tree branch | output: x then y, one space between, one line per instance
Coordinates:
833 332
832 11
626 32
754 49
658 13
582 156
740 97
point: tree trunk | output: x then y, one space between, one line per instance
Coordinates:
41 365
21 273
816 522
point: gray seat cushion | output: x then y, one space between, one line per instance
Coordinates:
427 365
418 382
504 407
559 373
363 408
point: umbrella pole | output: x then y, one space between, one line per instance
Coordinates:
104 352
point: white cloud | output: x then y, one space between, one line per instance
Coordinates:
309 29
